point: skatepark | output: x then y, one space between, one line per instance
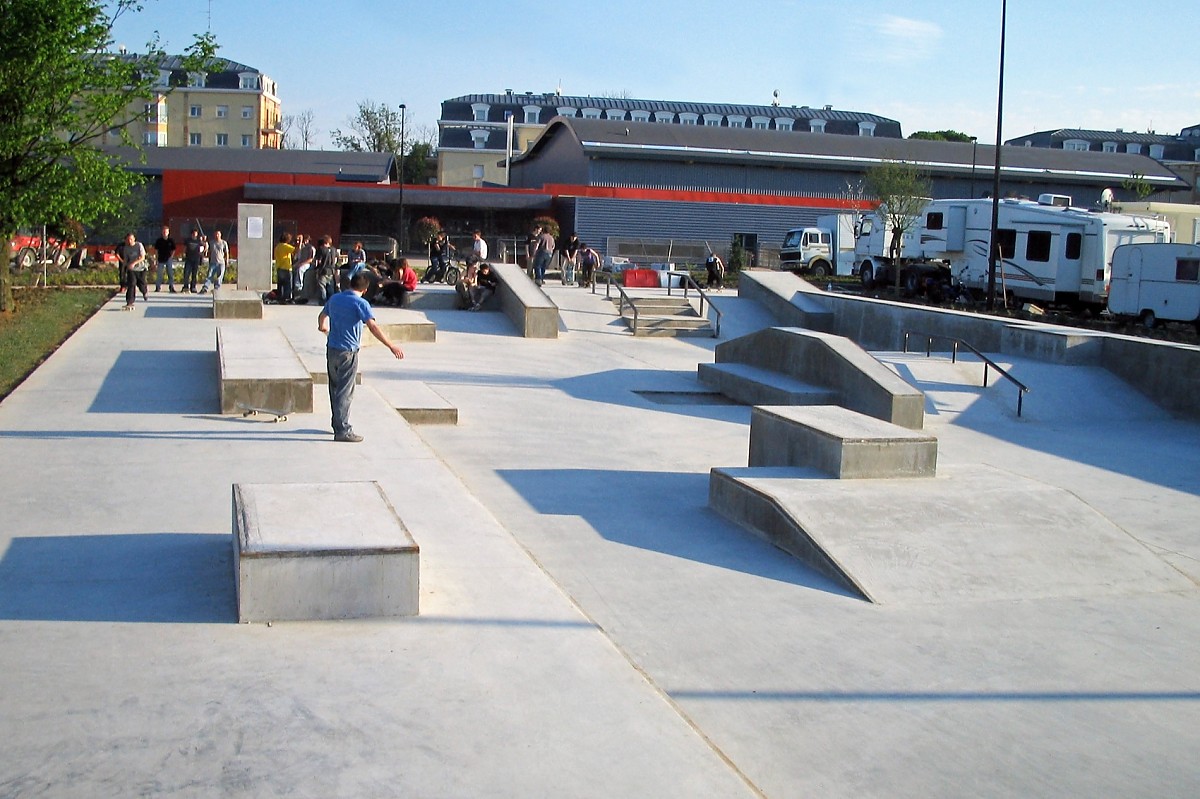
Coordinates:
594 619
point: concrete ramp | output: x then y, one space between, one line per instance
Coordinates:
974 534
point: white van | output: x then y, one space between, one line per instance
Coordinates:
1156 282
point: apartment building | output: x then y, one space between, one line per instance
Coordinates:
473 131
228 105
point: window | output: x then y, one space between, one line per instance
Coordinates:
1006 240
866 128
532 114
247 112
714 121
194 111
193 140
784 124
688 118
477 171
664 117
247 140
247 80
1037 246
1196 155
1074 246
736 121
816 125
479 139
149 139
1187 269
933 221
640 116
1156 151
1078 145
760 123
591 113
1133 148
222 139
614 113
196 79
479 111
222 111
1110 146
566 111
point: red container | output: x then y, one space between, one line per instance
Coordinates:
641 278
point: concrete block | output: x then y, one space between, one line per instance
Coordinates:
534 314
754 385
839 442
416 329
308 551
237 304
257 368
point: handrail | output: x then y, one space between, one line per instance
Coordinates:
687 281
1022 389
609 282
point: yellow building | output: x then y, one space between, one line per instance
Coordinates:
228 105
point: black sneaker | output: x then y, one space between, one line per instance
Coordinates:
352 438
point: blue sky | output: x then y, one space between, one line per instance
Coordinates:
930 64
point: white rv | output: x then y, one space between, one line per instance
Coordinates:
823 250
1156 282
1049 251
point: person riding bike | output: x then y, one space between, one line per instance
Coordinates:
439 259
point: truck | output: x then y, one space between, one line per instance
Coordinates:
878 255
821 250
1154 283
1050 251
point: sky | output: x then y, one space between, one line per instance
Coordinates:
929 64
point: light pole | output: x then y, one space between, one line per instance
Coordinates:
400 178
994 248
974 142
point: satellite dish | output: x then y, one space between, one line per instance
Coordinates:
775 94
1106 198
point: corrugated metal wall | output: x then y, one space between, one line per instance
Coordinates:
718 177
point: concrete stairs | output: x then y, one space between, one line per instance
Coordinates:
665 316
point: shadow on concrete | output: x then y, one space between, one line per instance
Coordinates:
631 388
155 577
277 432
179 311
664 512
159 381
941 696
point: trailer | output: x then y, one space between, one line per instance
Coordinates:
1049 251
879 255
1154 283
1184 218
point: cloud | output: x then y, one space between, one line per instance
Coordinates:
900 39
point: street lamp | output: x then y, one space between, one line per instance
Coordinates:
974 141
400 178
994 248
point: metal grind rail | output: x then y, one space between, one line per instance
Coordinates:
611 280
1022 389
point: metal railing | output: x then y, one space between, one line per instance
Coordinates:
611 279
988 363
690 282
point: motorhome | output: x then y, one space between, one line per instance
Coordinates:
1156 282
823 250
1184 218
1049 250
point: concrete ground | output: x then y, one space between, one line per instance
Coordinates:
589 627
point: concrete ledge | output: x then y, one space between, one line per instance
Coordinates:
839 442
534 314
237 304
862 383
790 298
417 329
307 551
257 368
418 403
754 385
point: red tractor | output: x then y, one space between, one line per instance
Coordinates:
27 252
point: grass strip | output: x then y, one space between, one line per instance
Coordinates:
42 320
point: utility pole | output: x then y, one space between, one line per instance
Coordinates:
994 248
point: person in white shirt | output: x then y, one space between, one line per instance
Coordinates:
479 250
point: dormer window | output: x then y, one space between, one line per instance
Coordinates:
567 111
591 113
532 114
614 113
479 111
247 80
664 117
196 79
784 124
640 116
760 123
688 118
1110 146
866 128
816 125
1156 151
1136 149
713 120
479 139
736 121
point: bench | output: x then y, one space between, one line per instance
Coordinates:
237 304
257 368
534 314
838 441
310 551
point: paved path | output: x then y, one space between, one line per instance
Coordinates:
588 626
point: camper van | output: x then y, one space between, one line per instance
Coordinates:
1049 251
1156 282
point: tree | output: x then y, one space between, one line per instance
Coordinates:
940 135
306 128
903 190
1138 186
374 129
61 93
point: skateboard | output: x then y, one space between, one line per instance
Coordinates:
247 411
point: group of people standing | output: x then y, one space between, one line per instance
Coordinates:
577 260
133 264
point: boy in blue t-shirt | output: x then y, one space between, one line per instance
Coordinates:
342 319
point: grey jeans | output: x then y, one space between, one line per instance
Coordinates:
342 366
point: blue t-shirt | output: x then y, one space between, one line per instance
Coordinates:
346 311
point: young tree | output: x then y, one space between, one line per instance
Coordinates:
306 129
61 92
903 190
374 129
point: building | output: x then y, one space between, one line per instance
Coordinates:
230 105
473 143
631 187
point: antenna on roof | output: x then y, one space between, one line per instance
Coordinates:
775 102
210 16
558 89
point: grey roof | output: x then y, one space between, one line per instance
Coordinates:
352 166
175 62
1099 135
600 138
627 104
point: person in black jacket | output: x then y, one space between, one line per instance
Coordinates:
485 286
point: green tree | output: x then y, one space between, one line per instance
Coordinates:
903 191
940 135
61 92
377 128
1138 186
